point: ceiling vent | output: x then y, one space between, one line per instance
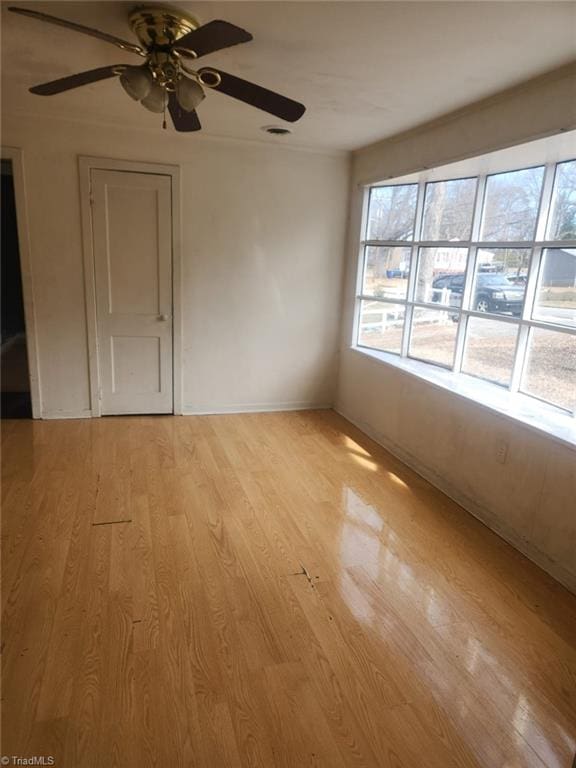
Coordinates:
276 130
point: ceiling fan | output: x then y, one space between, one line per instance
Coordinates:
170 40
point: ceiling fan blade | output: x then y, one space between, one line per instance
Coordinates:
117 41
213 37
184 122
75 81
256 96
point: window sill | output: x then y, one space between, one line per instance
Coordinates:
540 417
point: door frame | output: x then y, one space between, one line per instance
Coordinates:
15 155
85 166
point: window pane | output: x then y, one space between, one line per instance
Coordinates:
500 280
386 271
440 277
448 210
391 212
562 225
511 205
556 294
489 350
550 370
381 325
433 336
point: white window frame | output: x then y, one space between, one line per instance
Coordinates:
525 323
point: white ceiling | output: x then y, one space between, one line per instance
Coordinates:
364 70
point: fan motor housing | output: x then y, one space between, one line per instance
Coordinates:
159 25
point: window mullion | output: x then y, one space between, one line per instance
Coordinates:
470 275
361 270
412 273
463 320
364 203
519 357
407 330
545 201
419 212
380 299
388 243
524 331
469 243
532 283
364 213
413 270
469 278
478 206
460 340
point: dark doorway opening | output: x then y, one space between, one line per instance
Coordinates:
14 373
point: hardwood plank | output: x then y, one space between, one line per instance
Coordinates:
286 593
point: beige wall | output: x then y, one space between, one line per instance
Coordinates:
452 442
263 243
530 500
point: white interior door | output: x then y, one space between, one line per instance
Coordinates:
132 234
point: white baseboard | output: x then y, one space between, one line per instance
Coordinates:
480 512
57 414
190 410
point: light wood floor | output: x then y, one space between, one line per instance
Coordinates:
266 590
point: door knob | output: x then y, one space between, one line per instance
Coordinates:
163 317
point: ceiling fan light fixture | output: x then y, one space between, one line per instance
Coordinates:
168 37
156 100
137 82
189 93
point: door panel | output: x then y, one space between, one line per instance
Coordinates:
133 250
132 231
136 364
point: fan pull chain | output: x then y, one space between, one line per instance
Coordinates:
164 120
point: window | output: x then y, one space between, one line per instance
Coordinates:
448 210
563 214
511 205
392 212
478 276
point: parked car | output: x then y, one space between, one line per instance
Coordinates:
493 292
517 279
